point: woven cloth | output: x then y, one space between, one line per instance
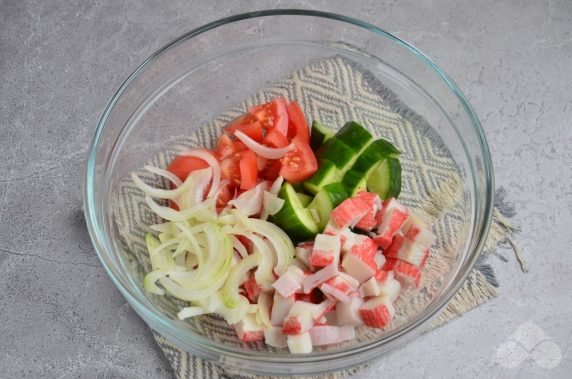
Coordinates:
335 90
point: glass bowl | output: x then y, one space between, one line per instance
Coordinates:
204 72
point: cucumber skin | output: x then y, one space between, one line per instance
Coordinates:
338 153
375 152
329 197
354 135
327 173
319 134
391 175
354 182
288 217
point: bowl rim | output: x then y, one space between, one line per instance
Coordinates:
372 348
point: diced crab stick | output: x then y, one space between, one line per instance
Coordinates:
253 290
348 313
327 335
274 337
379 259
280 308
314 297
390 264
390 289
248 329
290 281
406 250
349 212
319 277
407 274
326 250
369 288
338 288
415 230
300 343
300 318
359 263
393 216
377 312
368 221
332 229
320 310
303 252
383 276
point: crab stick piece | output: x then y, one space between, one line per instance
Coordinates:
348 313
248 329
368 221
359 263
280 308
300 343
274 337
349 212
300 318
326 250
377 312
319 277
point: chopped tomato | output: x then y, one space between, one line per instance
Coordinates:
297 122
275 139
248 170
230 169
271 169
224 196
299 164
246 118
182 166
173 205
240 146
253 130
272 115
225 147
261 163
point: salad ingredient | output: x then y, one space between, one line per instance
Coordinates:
376 152
248 170
304 199
300 343
319 135
385 178
182 166
275 139
207 156
377 312
354 182
272 115
327 173
327 198
252 130
293 217
261 150
355 136
298 125
298 163
326 250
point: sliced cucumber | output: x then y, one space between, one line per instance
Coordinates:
326 200
354 182
385 178
373 154
327 173
293 218
338 153
304 199
354 135
319 135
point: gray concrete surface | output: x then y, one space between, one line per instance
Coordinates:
60 62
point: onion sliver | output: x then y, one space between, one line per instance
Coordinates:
211 161
165 174
263 151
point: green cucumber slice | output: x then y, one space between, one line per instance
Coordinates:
304 199
354 182
326 200
354 135
319 135
293 218
385 178
327 173
338 153
373 154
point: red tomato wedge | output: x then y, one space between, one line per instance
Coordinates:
272 115
275 139
182 166
297 122
253 130
300 163
230 169
271 170
224 196
248 170
225 147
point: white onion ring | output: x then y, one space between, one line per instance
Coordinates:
211 161
165 174
263 151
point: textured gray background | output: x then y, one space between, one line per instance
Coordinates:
60 62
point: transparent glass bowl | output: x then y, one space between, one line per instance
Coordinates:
202 73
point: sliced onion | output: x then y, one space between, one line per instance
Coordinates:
171 214
259 149
264 305
188 312
165 174
270 205
151 278
211 161
276 185
230 295
196 193
250 202
238 246
162 193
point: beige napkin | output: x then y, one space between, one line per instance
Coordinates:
334 91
